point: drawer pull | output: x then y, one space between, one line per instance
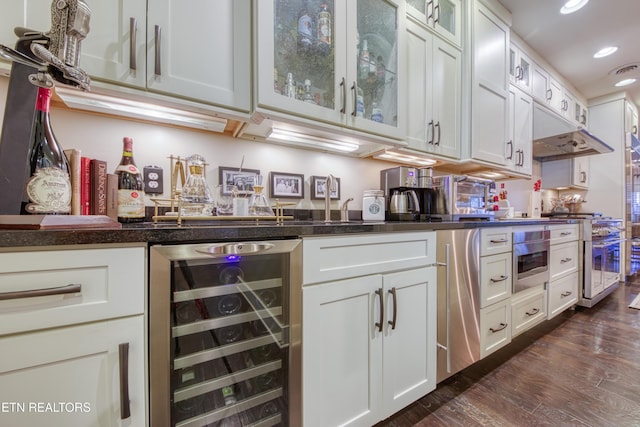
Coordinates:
133 33
395 308
566 233
69 289
499 241
125 404
502 327
499 279
562 261
380 324
532 312
566 294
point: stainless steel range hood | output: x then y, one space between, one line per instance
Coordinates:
555 138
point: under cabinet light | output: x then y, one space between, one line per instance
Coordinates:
572 6
139 110
297 138
401 157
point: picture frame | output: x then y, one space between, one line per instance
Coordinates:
318 184
243 179
284 185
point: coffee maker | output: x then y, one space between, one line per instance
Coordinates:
400 186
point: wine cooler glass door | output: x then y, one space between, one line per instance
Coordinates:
223 322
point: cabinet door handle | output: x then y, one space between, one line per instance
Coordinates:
433 132
532 312
583 119
158 39
549 94
521 157
566 233
499 279
498 241
133 36
125 404
380 324
500 328
395 308
517 72
430 15
583 177
566 294
343 95
437 125
436 19
354 90
61 290
510 145
562 261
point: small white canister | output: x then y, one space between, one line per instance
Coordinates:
373 205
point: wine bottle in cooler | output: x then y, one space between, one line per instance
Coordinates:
48 186
130 186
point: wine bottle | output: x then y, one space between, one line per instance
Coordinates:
48 186
130 186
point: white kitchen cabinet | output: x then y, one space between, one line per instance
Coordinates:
496 279
369 337
443 16
74 332
564 265
520 147
581 114
520 67
567 173
563 260
200 50
434 71
528 309
355 76
495 327
630 118
490 87
563 293
32 14
72 376
540 84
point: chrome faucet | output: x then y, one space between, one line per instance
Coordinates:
329 186
344 210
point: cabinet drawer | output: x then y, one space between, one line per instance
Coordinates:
528 311
563 293
495 278
495 240
86 285
334 258
563 260
495 327
564 233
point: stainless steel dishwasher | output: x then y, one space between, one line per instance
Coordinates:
458 300
224 334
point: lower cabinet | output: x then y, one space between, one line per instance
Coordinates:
369 346
528 308
563 293
87 375
495 327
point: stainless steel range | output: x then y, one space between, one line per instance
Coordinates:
602 242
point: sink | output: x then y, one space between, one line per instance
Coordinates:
241 248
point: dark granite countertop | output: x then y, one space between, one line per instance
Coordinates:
231 231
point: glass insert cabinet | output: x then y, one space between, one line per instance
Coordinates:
444 16
336 61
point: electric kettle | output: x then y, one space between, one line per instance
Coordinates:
404 202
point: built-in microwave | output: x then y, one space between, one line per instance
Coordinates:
530 259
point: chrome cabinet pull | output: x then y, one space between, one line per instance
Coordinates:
433 132
562 261
436 19
380 324
533 312
125 403
565 294
430 15
566 233
343 95
549 94
499 241
395 308
499 279
133 36
158 37
354 90
437 125
62 290
583 177
510 145
500 328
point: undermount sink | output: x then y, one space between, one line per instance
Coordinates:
241 248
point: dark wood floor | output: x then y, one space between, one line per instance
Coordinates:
581 369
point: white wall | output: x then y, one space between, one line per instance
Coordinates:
101 137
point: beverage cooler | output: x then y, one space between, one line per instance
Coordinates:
224 334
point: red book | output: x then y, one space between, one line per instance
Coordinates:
98 181
85 186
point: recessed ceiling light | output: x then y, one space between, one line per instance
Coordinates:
625 82
572 5
605 51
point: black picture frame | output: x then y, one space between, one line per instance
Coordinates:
243 179
284 185
317 188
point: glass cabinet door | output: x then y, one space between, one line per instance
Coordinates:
442 15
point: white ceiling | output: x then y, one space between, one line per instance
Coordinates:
568 42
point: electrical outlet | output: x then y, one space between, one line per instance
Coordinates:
152 176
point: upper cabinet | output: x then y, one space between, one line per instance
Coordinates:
200 52
630 118
443 16
434 74
339 62
520 131
489 87
520 68
33 14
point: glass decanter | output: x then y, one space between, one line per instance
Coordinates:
196 190
259 203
